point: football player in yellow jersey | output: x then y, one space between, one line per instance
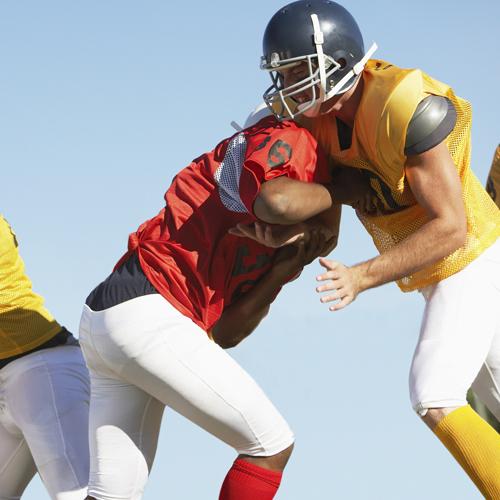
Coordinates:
436 228
44 389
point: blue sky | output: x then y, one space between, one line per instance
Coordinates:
101 102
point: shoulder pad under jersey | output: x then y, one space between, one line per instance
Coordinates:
432 122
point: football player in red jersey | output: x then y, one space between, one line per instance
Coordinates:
145 331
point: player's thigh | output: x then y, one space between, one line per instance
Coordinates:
124 426
457 335
17 466
49 399
181 367
153 346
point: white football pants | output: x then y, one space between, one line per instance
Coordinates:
144 355
459 344
44 404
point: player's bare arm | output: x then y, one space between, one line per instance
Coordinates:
241 318
276 236
288 201
348 187
328 222
436 186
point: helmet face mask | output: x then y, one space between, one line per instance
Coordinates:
323 36
277 96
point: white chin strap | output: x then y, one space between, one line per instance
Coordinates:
354 72
314 109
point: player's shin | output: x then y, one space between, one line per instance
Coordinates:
476 447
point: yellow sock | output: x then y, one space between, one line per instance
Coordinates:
476 447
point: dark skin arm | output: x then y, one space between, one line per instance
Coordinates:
328 223
288 201
241 318
276 236
348 187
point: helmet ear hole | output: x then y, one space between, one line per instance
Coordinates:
342 62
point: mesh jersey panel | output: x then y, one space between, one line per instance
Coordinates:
227 176
483 219
24 322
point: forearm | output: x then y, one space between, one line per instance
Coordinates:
286 201
435 183
241 318
328 222
432 242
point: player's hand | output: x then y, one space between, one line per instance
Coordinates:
330 240
343 280
271 235
367 204
290 260
351 187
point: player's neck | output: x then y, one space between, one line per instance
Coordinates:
346 107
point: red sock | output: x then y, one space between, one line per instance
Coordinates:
246 481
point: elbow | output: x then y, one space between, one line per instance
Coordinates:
228 343
224 341
272 207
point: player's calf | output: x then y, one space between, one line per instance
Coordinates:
472 441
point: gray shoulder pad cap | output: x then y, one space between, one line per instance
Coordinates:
432 122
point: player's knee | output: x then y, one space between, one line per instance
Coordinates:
432 397
432 416
285 455
279 461
276 462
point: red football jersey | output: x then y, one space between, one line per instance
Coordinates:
186 251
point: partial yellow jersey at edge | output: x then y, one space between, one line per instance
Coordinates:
493 183
390 98
24 322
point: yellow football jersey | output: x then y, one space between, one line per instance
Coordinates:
24 322
493 184
390 98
